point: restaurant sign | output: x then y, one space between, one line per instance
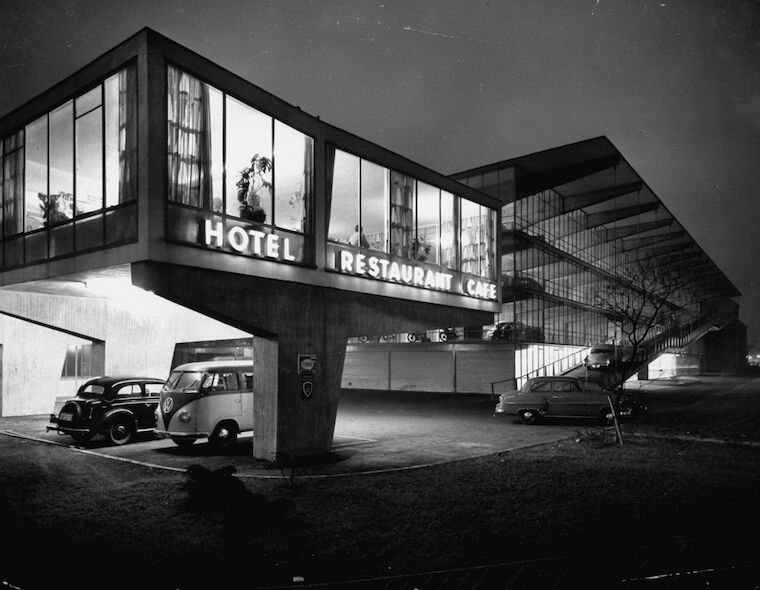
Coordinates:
410 273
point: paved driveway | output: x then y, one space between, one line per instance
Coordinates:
374 431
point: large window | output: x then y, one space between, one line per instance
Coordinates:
69 175
395 217
227 157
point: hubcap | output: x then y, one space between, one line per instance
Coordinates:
223 434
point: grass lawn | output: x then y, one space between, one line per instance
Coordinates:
77 517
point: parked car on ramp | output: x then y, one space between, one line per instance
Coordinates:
563 397
116 407
603 356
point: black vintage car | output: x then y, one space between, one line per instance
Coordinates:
117 407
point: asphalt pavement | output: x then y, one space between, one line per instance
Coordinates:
382 430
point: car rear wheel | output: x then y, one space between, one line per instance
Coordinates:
529 416
120 431
223 437
605 417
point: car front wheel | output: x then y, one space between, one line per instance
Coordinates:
223 437
529 416
120 431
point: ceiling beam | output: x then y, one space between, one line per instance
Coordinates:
614 233
604 217
642 242
581 200
531 184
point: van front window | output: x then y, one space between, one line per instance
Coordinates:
183 381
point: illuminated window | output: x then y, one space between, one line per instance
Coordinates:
261 172
427 246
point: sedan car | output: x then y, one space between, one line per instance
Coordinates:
564 397
603 356
117 407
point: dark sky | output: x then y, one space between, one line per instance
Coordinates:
454 84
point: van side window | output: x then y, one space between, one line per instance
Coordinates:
221 382
230 381
247 378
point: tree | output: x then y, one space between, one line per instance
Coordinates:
644 299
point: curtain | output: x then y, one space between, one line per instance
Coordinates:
127 136
487 242
329 174
308 181
189 141
13 186
402 215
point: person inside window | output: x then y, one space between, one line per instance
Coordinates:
357 238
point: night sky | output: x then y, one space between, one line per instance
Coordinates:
455 84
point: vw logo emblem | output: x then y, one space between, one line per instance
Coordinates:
168 405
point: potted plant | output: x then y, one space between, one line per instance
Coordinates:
420 249
252 186
53 207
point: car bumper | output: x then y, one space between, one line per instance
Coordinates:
67 429
180 435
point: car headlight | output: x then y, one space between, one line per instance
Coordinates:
184 416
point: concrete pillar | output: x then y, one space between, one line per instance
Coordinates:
289 319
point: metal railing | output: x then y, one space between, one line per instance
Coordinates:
556 367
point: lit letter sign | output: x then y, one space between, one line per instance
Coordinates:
409 273
247 241
216 232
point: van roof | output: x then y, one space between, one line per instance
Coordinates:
215 366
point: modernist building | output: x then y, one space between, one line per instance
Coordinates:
153 167
577 221
157 208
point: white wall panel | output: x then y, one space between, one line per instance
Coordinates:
365 370
422 370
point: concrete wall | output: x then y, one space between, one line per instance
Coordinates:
139 333
32 361
445 367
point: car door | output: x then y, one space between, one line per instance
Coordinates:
133 397
562 400
128 396
589 402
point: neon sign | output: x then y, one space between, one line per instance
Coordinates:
408 273
248 241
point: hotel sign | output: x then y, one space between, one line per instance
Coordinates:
410 273
248 241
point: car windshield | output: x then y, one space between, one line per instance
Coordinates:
91 390
183 381
600 350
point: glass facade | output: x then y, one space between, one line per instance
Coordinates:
239 179
69 180
394 221
559 261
